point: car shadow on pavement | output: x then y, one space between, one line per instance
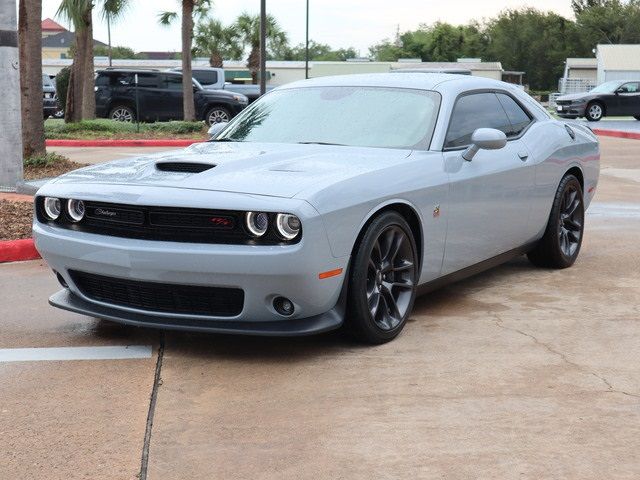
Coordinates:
454 299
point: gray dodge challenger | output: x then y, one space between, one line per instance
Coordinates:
328 202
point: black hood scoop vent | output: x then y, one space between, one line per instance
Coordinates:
184 167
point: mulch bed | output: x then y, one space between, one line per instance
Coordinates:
52 170
15 220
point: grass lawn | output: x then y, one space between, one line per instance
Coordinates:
112 130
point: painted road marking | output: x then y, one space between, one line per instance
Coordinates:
613 209
74 353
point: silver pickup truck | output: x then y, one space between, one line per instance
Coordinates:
212 78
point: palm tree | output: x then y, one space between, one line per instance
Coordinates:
81 101
190 8
30 41
216 41
113 10
249 28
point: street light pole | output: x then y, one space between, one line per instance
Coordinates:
263 47
10 116
306 48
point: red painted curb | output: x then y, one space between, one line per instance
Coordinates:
169 142
617 133
18 250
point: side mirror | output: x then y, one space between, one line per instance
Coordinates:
485 139
215 129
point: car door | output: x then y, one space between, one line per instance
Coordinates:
150 96
629 98
172 101
489 195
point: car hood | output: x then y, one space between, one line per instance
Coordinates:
575 96
279 170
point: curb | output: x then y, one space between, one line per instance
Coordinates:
18 250
169 142
617 133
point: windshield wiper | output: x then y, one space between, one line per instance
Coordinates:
321 143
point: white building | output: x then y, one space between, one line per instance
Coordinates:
618 62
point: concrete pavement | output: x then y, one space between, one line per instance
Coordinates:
105 154
515 373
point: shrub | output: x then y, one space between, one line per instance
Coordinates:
62 85
44 160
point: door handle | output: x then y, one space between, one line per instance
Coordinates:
523 155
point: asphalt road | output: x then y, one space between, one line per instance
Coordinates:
515 373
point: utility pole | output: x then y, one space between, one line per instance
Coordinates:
306 47
10 117
109 36
263 47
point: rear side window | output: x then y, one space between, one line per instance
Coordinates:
484 110
206 77
148 80
518 118
114 79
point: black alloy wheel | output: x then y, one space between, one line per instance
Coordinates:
383 280
560 245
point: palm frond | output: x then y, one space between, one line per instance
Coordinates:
167 18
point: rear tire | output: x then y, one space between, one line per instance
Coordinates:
382 280
594 112
560 245
122 113
217 115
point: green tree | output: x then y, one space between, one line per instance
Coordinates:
317 51
217 41
534 42
80 102
249 28
190 8
608 21
116 52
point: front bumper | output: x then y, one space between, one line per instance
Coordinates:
262 272
571 111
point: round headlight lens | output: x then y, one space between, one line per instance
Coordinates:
75 209
257 223
52 207
288 226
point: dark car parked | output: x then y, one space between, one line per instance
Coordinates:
49 102
615 98
159 97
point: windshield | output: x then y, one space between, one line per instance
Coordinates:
46 81
606 87
354 116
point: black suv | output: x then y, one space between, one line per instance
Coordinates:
159 97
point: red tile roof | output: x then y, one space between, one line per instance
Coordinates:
49 25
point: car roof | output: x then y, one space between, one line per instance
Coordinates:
419 81
133 70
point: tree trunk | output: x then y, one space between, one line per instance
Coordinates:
30 39
188 105
254 64
215 60
73 108
88 90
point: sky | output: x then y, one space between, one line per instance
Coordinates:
339 23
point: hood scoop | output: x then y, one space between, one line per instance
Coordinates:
184 167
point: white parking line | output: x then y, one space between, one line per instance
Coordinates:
74 353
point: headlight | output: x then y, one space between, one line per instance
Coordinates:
52 207
75 209
288 226
241 98
257 223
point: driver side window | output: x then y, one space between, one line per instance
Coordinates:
631 87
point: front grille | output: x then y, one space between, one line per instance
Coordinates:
563 102
169 224
161 297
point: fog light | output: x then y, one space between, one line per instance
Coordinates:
283 306
61 280
52 207
75 209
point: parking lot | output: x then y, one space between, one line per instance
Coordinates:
515 373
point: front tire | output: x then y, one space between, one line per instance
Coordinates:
382 280
594 112
560 245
